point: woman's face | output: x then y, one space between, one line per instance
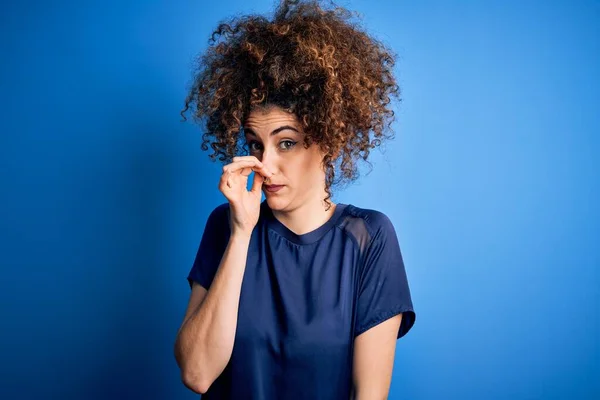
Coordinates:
275 137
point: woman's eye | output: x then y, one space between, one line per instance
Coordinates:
252 148
289 143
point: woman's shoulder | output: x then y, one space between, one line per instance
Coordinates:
222 208
374 218
218 218
220 211
373 222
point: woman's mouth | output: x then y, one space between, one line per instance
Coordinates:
273 188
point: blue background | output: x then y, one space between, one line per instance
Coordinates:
492 183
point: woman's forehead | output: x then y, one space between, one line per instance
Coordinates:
263 119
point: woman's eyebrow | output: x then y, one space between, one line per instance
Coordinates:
275 132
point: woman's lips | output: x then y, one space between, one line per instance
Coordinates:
273 188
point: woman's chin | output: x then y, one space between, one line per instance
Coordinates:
275 202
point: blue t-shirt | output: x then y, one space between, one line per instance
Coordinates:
304 298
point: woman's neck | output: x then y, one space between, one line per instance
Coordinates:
307 217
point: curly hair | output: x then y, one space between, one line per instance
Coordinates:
309 60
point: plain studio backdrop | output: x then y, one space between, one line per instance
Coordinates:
492 184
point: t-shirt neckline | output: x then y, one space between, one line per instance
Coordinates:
306 238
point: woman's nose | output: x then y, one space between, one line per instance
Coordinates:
268 158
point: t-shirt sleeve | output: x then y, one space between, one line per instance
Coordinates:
212 247
383 290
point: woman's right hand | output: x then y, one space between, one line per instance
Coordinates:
243 203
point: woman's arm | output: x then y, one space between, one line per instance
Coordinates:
205 339
373 361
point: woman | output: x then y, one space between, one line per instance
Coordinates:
294 297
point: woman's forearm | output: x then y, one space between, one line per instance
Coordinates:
205 341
